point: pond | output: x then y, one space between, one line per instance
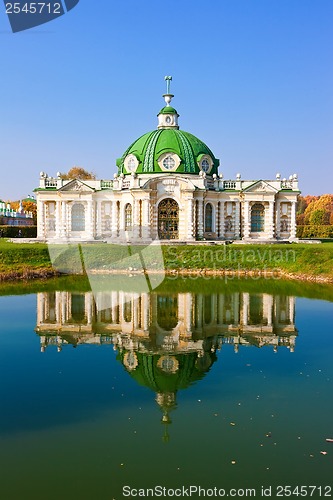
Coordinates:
204 384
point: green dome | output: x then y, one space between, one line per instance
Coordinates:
167 110
191 368
149 148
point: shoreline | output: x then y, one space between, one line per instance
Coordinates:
275 274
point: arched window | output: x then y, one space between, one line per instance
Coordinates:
257 218
209 218
78 217
128 217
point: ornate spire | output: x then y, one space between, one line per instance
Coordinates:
168 96
168 116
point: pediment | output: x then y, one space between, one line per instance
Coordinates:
76 186
260 187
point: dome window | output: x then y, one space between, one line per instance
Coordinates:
169 163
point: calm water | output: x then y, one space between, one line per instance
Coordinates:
214 385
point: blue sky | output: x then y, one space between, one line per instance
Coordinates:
252 78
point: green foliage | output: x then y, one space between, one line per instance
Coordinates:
317 217
13 231
312 231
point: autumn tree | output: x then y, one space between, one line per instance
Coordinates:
78 173
320 210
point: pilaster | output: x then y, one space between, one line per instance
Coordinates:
63 229
41 219
146 230
58 221
277 218
222 220
190 235
237 220
271 228
114 219
293 221
246 232
200 219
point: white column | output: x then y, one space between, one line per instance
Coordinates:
90 219
246 304
292 310
199 311
41 219
135 218
63 229
222 220
146 232
246 226
98 218
89 306
58 221
63 308
114 219
121 216
188 313
293 221
145 311
237 220
277 218
200 219
271 228
269 305
58 303
69 219
189 231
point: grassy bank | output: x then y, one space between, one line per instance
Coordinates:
304 261
24 261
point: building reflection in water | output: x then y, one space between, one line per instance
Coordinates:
166 341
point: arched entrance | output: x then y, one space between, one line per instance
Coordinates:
168 219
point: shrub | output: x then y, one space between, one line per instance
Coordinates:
314 231
13 231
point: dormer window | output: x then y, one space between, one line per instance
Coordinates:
131 163
205 163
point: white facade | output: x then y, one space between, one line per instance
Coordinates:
166 206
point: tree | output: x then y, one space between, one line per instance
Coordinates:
30 206
320 210
78 173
